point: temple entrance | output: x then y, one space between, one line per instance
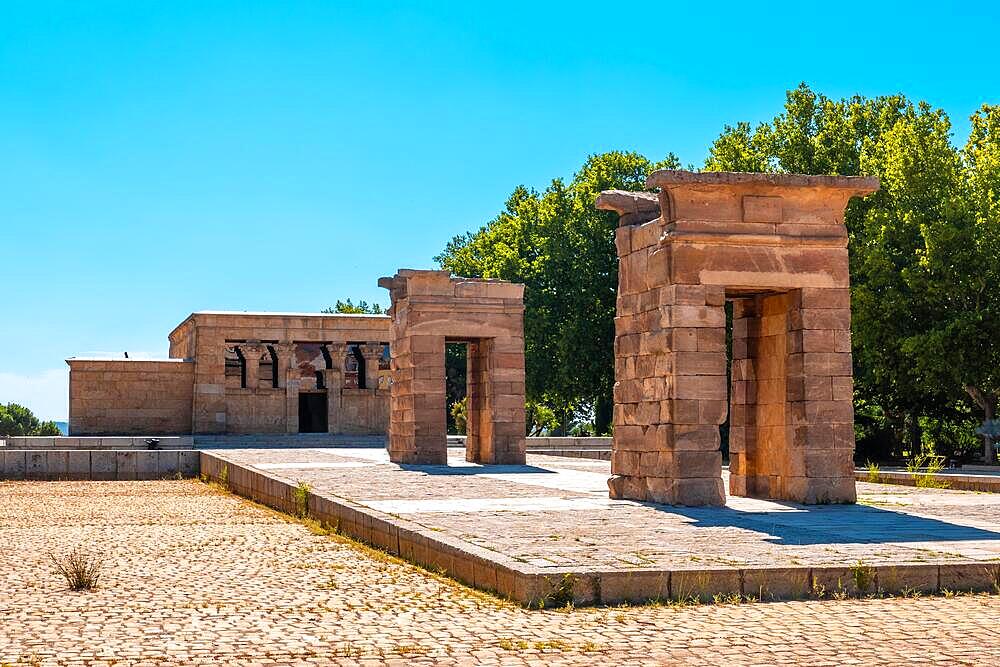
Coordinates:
429 310
312 412
775 246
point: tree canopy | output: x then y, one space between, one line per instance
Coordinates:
923 249
923 253
562 249
18 420
349 308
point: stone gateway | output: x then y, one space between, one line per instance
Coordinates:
775 247
430 309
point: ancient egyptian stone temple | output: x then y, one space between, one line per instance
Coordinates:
774 246
243 373
430 309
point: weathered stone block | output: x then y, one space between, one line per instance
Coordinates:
78 464
146 464
704 585
103 465
911 578
979 577
14 464
761 209
57 464
699 491
767 584
188 463
637 587
36 464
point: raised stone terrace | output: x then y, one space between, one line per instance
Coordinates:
521 529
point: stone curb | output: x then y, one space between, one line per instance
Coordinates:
534 586
987 483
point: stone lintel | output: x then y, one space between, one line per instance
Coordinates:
665 178
633 208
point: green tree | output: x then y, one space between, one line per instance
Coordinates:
924 324
562 249
348 308
959 273
18 420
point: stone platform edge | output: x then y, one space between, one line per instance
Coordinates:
98 465
534 587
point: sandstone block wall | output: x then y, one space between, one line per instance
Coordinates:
792 422
776 247
191 392
123 396
430 308
219 408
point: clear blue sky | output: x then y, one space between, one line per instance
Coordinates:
158 158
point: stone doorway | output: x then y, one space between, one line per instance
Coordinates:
774 245
313 412
430 309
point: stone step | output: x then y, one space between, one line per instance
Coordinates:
287 440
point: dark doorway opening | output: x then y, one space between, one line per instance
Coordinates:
455 377
312 412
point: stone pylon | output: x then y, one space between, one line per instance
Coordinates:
775 246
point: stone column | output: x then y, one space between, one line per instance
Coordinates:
372 353
252 352
333 378
418 429
743 401
670 390
208 405
820 391
285 351
670 366
791 430
495 429
478 401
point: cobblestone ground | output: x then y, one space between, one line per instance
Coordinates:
196 577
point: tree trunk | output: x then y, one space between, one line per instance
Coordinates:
989 410
988 402
914 434
603 408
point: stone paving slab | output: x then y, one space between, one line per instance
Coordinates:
196 577
522 529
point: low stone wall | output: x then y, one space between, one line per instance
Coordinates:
957 481
546 442
287 440
76 464
579 448
117 442
596 454
568 443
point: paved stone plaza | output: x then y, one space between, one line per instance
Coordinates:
555 513
196 577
